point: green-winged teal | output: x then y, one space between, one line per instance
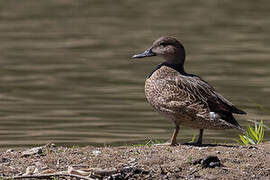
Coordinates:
185 98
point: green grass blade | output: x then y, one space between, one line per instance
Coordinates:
193 138
260 132
256 127
244 139
251 141
259 128
261 136
252 134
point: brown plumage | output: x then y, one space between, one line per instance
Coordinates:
185 98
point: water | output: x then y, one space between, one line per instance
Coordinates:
67 77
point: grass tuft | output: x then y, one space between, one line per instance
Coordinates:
253 136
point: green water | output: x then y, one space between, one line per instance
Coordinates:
67 76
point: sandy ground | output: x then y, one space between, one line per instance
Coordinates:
137 162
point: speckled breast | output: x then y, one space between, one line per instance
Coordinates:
159 92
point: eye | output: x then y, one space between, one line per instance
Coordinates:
163 44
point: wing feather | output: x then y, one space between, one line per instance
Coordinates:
206 93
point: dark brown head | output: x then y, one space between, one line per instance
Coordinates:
168 48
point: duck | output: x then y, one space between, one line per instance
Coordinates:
185 99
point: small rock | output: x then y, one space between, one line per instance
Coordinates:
127 169
214 164
218 152
208 162
177 169
4 160
33 151
252 147
96 152
10 151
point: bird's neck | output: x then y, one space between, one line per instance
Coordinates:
178 67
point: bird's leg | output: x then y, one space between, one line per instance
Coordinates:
199 141
175 133
173 139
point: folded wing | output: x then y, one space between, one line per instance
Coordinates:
201 91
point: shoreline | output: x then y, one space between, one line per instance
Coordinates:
137 162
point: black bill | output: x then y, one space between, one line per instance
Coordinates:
146 53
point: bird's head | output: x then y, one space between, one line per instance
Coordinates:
168 48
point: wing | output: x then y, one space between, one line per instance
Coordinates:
199 90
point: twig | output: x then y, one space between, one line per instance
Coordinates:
41 176
196 170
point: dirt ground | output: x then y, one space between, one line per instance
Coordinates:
137 162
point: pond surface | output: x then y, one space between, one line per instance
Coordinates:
67 76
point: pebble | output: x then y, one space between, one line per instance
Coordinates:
200 148
10 151
208 162
4 160
96 152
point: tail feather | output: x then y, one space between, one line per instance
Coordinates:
237 111
228 117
